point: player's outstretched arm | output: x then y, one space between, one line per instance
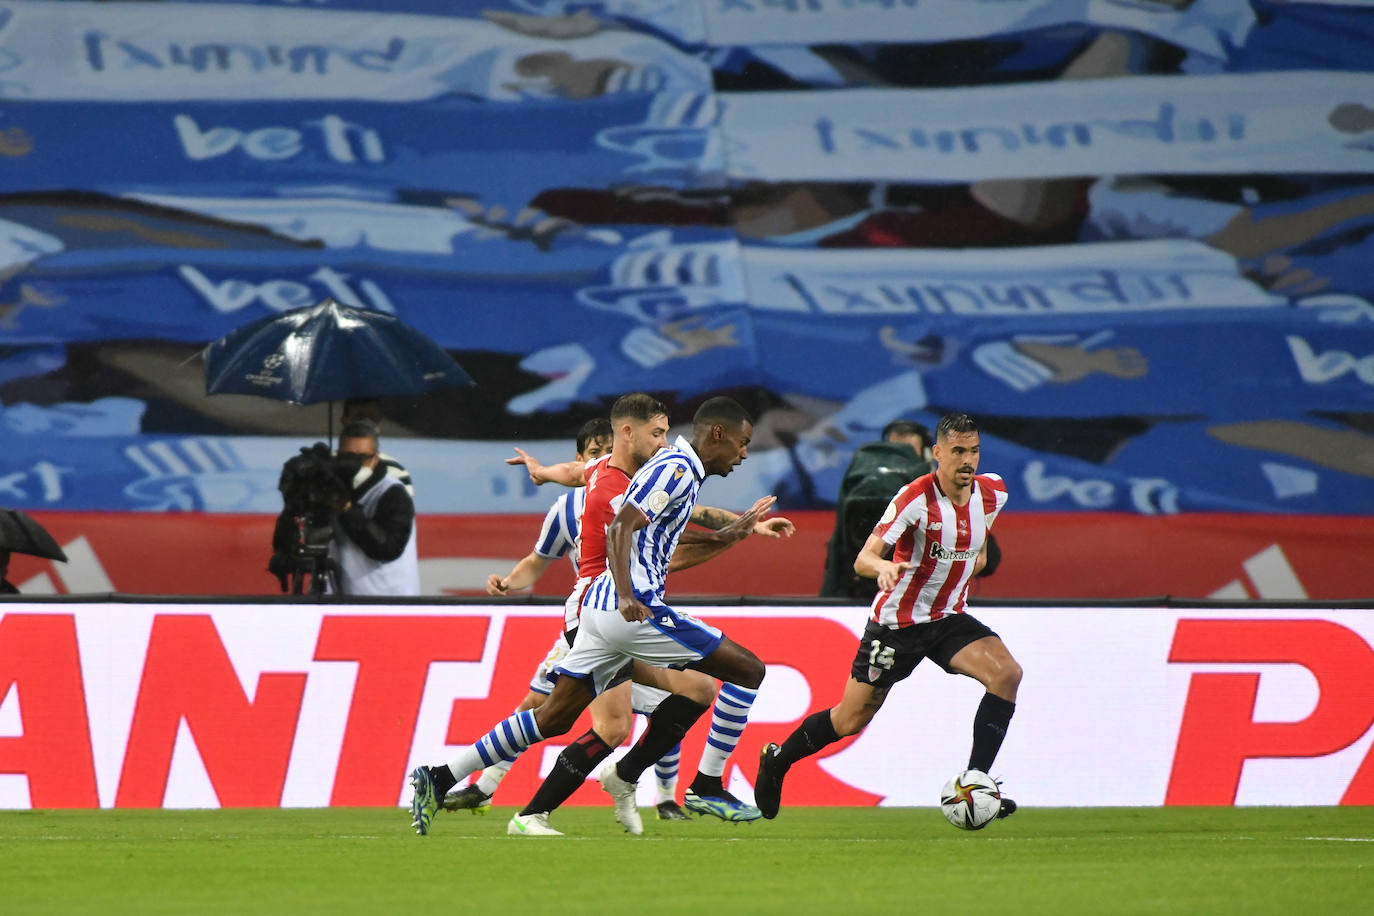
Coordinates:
871 565
717 519
568 473
696 546
711 517
727 527
775 527
522 575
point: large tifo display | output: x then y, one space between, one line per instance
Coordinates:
181 705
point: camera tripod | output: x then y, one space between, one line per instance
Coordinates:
315 564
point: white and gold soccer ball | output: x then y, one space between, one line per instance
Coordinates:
971 800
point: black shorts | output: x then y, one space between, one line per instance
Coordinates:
887 655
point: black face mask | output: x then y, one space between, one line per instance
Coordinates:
346 465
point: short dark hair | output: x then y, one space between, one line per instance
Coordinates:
907 428
360 429
596 428
723 410
637 406
955 423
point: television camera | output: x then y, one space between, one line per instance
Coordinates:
314 486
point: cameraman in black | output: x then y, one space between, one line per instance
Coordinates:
347 506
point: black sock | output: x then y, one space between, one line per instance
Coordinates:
571 768
667 726
443 779
707 786
815 732
989 728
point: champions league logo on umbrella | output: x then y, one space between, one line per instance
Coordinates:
266 377
328 352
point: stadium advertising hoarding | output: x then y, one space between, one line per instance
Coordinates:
185 705
1234 556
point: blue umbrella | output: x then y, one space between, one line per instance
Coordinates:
328 352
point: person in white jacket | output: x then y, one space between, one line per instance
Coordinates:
374 532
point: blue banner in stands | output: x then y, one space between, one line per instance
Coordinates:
1275 465
1132 238
467 150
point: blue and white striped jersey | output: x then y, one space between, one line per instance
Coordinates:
665 490
558 536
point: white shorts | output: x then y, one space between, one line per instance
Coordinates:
643 698
573 606
541 682
606 641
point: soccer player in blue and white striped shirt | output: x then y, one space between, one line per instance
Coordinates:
641 542
648 525
558 537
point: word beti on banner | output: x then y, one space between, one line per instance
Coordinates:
1329 365
233 294
1148 496
343 142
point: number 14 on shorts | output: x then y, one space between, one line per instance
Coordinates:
880 658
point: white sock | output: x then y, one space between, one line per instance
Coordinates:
491 777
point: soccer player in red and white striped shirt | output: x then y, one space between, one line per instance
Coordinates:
937 528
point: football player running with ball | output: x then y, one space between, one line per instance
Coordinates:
937 526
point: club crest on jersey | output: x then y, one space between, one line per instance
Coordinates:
874 674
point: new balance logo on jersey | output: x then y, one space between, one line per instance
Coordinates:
935 526
939 552
666 621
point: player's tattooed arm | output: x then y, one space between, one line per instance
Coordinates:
720 527
711 517
732 527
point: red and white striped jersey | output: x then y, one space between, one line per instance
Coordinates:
943 540
606 485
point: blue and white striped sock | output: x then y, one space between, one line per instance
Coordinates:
666 773
728 719
504 742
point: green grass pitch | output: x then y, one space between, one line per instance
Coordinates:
1285 861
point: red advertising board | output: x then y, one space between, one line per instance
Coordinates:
1093 556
